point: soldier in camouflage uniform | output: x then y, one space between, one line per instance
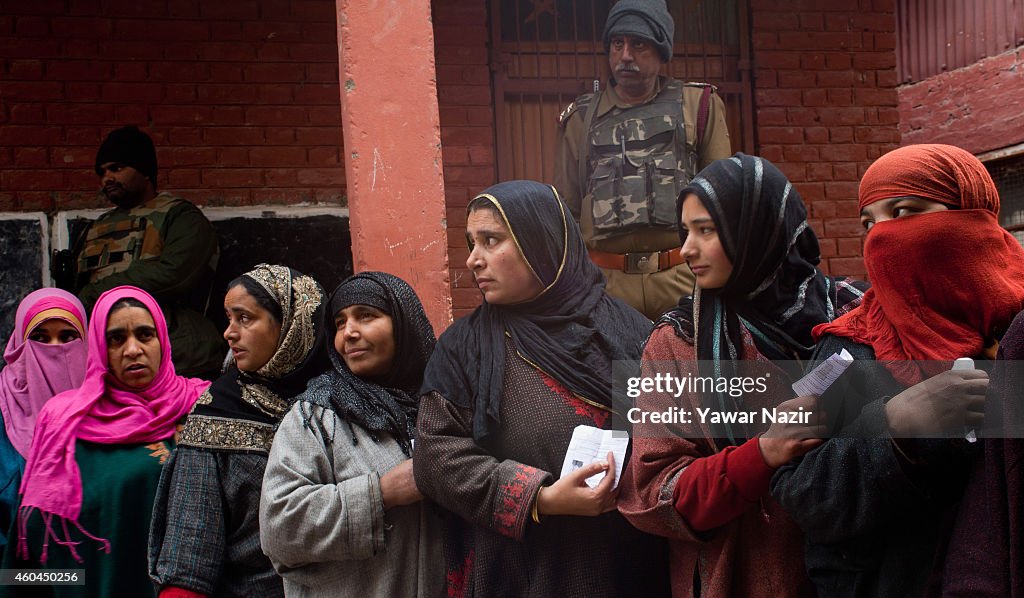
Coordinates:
642 139
158 242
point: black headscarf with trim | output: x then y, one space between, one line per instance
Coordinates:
572 331
390 403
775 288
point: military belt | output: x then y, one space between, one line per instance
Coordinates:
638 263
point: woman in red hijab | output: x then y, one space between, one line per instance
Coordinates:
876 501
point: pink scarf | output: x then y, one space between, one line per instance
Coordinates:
36 372
101 411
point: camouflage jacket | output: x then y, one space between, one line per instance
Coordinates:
167 247
638 159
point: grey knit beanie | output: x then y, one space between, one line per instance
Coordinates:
648 19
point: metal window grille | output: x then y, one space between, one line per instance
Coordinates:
1008 175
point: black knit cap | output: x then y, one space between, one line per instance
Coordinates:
360 290
131 147
648 19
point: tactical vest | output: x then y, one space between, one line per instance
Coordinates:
638 160
120 237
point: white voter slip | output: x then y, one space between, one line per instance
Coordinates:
589 444
817 381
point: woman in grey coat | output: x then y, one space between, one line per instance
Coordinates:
340 514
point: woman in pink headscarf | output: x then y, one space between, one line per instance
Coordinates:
45 356
96 454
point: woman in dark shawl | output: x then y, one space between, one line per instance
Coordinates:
503 393
204 540
985 558
340 513
759 294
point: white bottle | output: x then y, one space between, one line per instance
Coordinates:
966 363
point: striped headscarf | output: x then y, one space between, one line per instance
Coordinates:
775 290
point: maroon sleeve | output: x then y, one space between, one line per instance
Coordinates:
716 489
677 484
456 473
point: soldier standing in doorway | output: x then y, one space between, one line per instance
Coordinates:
628 150
158 242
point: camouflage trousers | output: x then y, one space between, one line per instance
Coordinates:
651 294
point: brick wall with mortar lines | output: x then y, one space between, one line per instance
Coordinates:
826 107
241 98
976 107
467 127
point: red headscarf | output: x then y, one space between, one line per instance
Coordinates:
944 284
102 411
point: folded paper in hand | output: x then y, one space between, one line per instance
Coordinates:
590 444
817 381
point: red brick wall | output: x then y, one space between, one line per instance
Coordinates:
241 98
826 106
467 127
975 107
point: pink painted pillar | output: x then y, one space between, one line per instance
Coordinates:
392 149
